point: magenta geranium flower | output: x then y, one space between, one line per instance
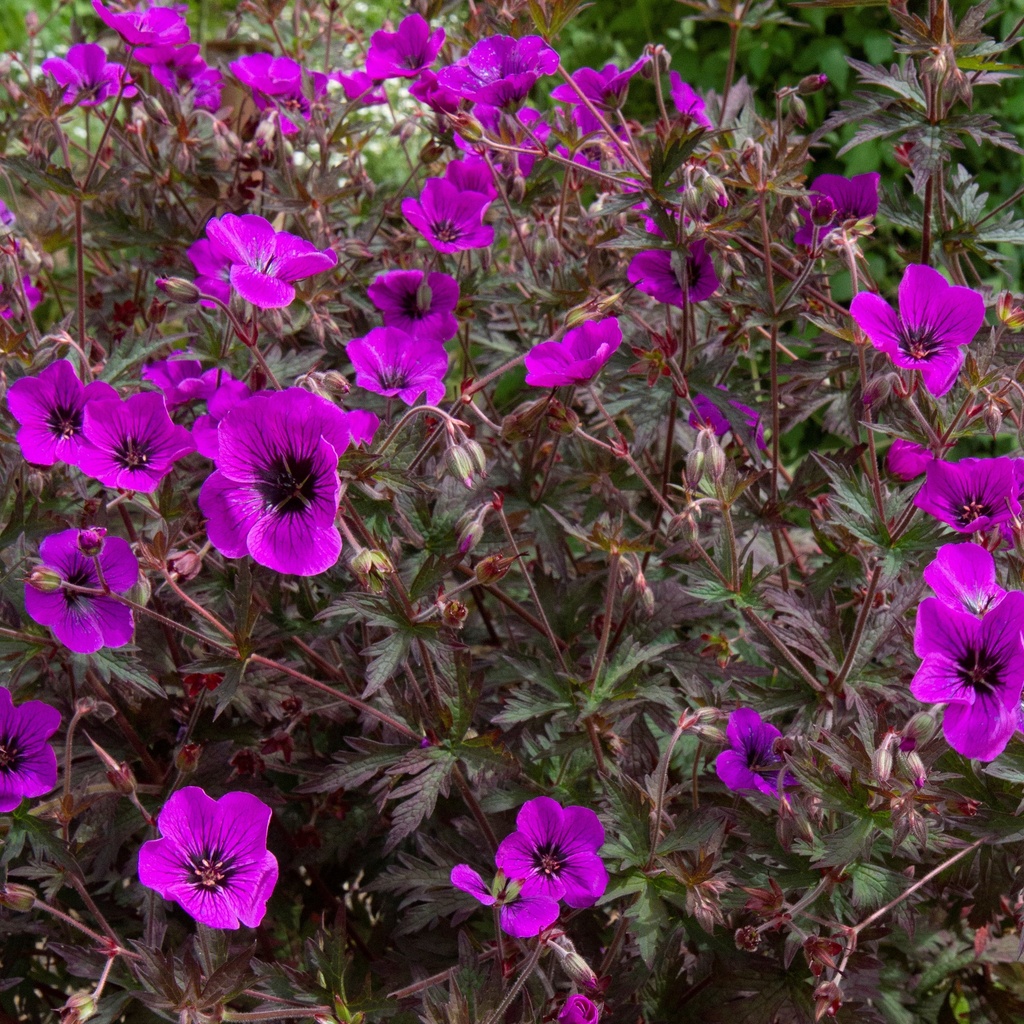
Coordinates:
182 71
84 622
278 82
28 765
972 494
500 70
86 75
448 218
523 910
212 858
907 460
578 1009
181 379
275 492
358 85
265 262
688 102
706 413
404 53
472 175
226 394
50 409
554 852
606 89
751 761
577 358
427 89
132 443
146 26
963 577
659 273
935 322
214 269
390 362
419 304
7 218
976 667
851 198
11 304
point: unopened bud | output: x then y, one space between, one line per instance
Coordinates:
823 210
44 579
467 126
122 778
811 84
715 462
881 763
641 594
459 464
16 897
155 110
579 970
372 566
180 290
1009 312
141 591
798 109
78 1009
36 483
492 568
187 759
916 769
877 389
561 419
517 190
918 731
993 417
694 471
90 541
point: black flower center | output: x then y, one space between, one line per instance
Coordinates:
211 871
548 861
8 754
131 453
64 421
918 342
82 575
446 231
979 670
761 758
393 378
288 484
972 508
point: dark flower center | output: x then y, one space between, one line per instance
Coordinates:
918 342
288 484
131 453
446 231
64 421
82 575
972 509
211 871
761 759
8 754
547 860
393 378
980 671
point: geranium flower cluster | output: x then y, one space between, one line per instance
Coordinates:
551 856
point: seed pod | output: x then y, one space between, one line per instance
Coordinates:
187 759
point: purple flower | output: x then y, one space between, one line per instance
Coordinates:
84 622
936 320
227 393
212 857
28 765
275 492
181 380
214 270
390 362
659 273
963 577
448 218
606 89
976 667
579 1010
50 409
500 70
577 358
421 305
523 911
751 761
357 85
852 198
152 26
132 443
182 71
7 218
554 852
472 175
405 52
687 101
427 89
12 306
263 261
87 78
707 413
277 82
907 460
972 494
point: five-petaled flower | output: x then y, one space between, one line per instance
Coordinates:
274 494
935 322
751 762
449 218
28 765
577 358
908 460
278 82
972 495
674 278
147 26
706 412
976 667
578 1009
420 304
404 53
183 72
554 852
605 89
83 622
390 362
963 577
212 857
851 199
132 443
264 262
88 79
50 409
500 71
523 909
688 102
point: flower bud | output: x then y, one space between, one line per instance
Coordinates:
641 594
180 290
517 191
823 210
16 897
44 579
467 126
122 778
36 482
459 463
155 110
492 568
694 471
453 614
561 419
993 418
141 591
715 461
916 769
90 541
881 762
78 1009
1009 312
919 730
371 566
187 759
798 109
578 970
811 84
